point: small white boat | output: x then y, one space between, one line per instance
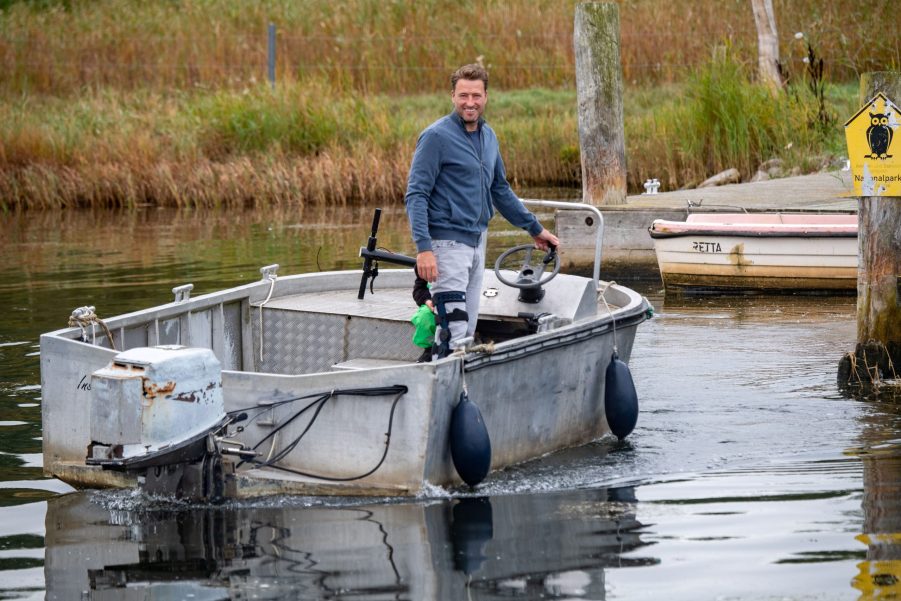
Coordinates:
305 384
757 251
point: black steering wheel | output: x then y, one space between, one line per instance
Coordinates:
529 276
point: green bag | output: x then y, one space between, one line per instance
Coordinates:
424 322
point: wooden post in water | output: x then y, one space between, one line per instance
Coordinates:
599 89
878 352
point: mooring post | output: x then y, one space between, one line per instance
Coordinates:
270 71
877 355
599 89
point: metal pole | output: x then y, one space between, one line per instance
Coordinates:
578 206
272 55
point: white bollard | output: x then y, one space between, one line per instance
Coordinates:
651 186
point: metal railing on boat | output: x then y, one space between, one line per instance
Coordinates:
579 206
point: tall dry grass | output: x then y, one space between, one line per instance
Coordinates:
300 144
238 149
405 46
243 182
719 120
120 103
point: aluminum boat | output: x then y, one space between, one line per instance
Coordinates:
309 384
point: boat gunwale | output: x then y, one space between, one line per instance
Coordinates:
844 225
574 333
744 233
630 314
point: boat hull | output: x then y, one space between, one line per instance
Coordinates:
538 393
745 256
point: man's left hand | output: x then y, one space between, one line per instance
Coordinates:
545 239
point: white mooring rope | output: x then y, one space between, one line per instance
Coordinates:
601 292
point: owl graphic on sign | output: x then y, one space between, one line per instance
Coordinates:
879 136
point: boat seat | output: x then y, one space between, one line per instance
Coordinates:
368 363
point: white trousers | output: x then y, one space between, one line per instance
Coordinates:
460 269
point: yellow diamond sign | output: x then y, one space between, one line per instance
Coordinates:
874 148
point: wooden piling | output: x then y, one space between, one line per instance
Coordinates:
877 356
767 44
599 89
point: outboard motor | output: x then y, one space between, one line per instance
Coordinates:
154 411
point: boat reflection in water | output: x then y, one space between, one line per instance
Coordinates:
516 545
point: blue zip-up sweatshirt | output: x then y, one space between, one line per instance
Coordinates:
452 192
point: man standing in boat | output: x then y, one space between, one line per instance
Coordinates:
457 179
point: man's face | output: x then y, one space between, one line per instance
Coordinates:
470 98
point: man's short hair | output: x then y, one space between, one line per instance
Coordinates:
473 72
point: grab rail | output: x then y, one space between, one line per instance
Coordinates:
579 206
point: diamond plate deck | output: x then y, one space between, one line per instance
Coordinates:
310 333
395 304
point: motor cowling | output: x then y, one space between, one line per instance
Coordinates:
148 399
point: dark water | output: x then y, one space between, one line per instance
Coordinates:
749 476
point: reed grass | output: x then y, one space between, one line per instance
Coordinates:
720 119
296 146
403 46
299 144
120 103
